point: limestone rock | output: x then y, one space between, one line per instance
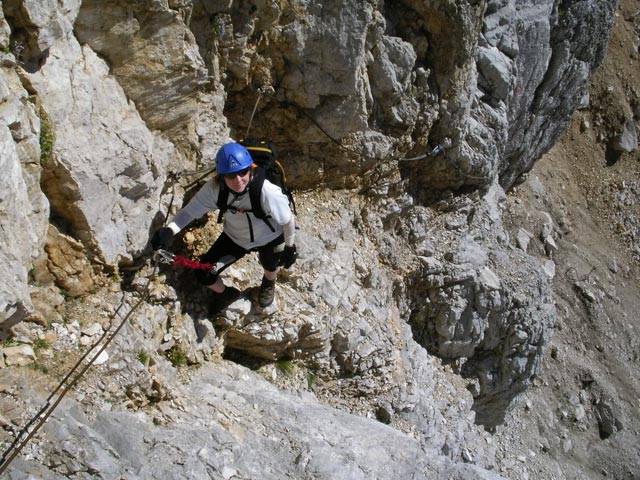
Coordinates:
107 168
5 31
557 65
47 301
608 422
161 68
102 100
24 210
20 355
234 411
40 25
490 307
496 69
67 262
272 335
627 140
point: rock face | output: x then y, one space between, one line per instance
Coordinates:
109 106
103 155
301 439
480 78
378 82
482 303
155 58
572 48
23 206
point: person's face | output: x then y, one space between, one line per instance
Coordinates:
237 181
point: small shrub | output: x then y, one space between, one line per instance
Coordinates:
177 357
311 380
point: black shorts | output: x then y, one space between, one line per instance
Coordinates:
225 252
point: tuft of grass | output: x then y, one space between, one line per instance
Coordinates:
9 342
177 357
311 380
39 344
47 139
143 357
38 367
217 25
286 367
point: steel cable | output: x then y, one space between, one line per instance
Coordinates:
61 390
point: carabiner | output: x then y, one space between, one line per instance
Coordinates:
163 256
437 150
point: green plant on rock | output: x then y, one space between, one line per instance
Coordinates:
47 139
39 344
38 367
311 380
177 357
143 357
218 23
286 367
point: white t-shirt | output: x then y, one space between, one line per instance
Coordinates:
238 224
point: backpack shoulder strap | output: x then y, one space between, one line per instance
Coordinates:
255 192
255 195
223 198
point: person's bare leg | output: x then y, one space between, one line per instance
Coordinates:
271 275
218 286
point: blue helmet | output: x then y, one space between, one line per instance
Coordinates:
232 157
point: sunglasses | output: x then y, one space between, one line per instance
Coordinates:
241 173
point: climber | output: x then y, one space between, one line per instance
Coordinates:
272 237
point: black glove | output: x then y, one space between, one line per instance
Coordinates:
289 256
162 238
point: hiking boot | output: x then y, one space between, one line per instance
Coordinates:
267 292
220 301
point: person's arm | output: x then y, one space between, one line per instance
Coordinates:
290 254
281 212
278 207
289 229
203 202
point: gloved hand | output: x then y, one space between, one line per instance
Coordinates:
162 238
289 256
